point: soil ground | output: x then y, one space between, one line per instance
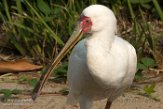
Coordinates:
131 99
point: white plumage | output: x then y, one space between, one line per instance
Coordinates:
102 65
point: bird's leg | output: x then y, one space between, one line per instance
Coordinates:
108 104
85 102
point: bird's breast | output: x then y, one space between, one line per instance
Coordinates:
106 67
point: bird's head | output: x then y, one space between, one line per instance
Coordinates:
96 18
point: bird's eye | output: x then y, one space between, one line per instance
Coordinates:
86 21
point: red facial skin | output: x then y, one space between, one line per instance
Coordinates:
86 24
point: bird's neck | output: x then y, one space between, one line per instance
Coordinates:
98 50
102 40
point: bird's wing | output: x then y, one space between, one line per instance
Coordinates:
130 54
76 70
132 68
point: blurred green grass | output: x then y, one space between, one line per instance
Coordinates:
39 28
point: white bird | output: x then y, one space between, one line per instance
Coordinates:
100 66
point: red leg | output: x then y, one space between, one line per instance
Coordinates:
108 104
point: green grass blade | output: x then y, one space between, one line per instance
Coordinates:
19 47
49 29
7 10
130 9
19 6
158 8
